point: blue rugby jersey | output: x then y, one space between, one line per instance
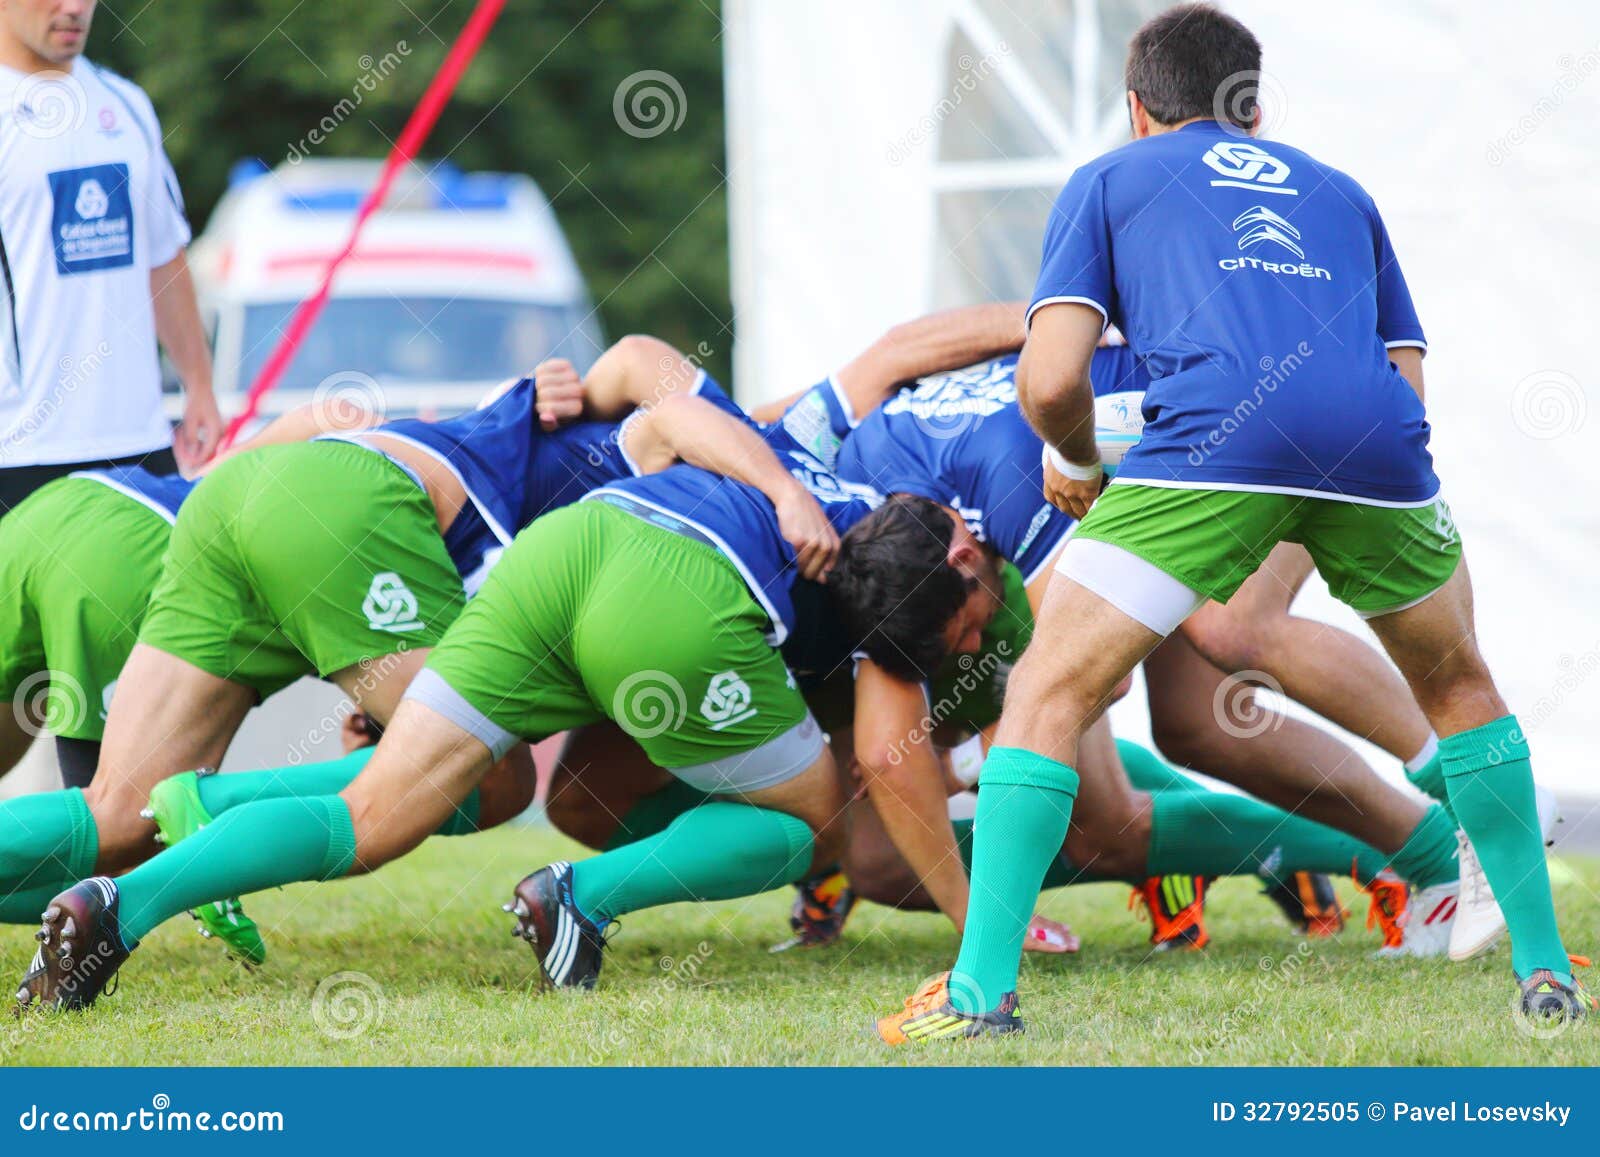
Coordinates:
960 439
513 471
739 521
1262 293
162 493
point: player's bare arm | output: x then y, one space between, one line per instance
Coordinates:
683 428
1056 396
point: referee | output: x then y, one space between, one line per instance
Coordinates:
92 237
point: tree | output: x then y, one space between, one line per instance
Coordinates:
645 210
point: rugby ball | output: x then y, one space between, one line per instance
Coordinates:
1118 425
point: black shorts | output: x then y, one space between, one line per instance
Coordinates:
17 482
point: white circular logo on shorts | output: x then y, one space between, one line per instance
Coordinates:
390 605
727 701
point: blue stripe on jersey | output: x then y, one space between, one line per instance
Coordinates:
960 439
1260 288
162 493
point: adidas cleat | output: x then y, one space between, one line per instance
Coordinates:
1389 895
1177 908
1546 998
1309 902
821 906
178 814
929 1016
80 948
570 946
1480 924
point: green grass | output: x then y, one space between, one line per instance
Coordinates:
441 981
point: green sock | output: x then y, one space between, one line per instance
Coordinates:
1429 780
1491 789
47 840
716 852
1429 854
220 793
251 847
1024 805
26 906
655 812
223 793
1212 834
1147 771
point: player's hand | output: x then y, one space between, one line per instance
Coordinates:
197 436
1050 936
557 392
1070 495
807 529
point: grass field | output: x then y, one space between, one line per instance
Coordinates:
415 965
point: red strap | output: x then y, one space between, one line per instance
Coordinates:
420 124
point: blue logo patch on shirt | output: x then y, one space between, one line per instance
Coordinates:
92 227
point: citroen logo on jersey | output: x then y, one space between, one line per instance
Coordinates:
1259 225
1244 165
390 605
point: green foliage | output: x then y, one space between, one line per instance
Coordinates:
647 217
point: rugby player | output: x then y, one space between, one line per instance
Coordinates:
657 602
1341 467
347 557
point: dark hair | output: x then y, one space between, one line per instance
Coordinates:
1187 62
895 587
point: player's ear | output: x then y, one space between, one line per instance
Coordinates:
1138 117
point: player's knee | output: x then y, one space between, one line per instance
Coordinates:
1231 641
576 815
1184 738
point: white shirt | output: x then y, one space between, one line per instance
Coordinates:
89 204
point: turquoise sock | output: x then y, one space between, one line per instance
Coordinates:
655 812
220 793
1429 780
1214 834
1429 854
1491 788
718 851
1061 872
47 840
1024 806
1147 771
251 847
223 793
26 906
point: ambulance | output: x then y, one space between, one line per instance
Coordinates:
461 281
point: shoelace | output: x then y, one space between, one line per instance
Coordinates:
1471 869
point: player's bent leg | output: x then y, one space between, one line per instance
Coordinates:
417 778
1327 669
761 838
603 788
1204 718
166 716
1490 778
1027 789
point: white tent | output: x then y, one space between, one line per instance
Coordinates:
892 156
